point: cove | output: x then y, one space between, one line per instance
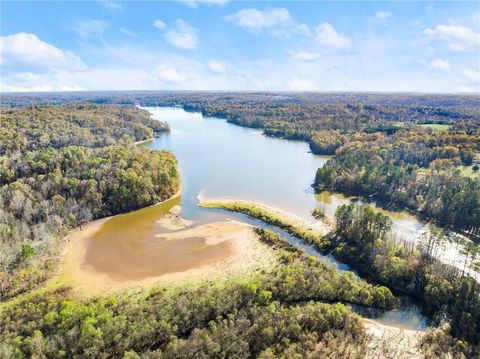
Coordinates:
220 160
133 246
224 161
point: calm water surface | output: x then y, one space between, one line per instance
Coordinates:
133 246
223 161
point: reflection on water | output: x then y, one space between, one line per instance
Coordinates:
222 161
130 247
403 221
407 316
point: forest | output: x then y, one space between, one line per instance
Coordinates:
294 309
71 164
364 239
390 152
414 171
63 166
385 147
67 159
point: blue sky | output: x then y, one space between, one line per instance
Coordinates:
232 45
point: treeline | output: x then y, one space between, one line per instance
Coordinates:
414 171
164 98
268 315
363 239
381 150
308 235
87 125
51 181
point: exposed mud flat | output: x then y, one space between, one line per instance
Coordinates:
391 342
125 251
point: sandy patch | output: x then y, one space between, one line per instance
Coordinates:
173 221
391 342
247 254
143 141
321 226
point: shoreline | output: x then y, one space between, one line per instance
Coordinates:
246 255
91 227
143 141
320 225
392 207
389 342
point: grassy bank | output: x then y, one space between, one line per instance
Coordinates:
294 226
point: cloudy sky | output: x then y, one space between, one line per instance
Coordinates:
227 45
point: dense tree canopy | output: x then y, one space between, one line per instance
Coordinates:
86 125
364 240
281 313
64 166
412 171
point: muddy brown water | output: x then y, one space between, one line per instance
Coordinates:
134 246
221 161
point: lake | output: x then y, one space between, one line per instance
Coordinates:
220 160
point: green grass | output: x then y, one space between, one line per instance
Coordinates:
436 126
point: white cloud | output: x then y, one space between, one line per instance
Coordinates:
26 52
182 36
27 81
168 74
159 24
255 20
305 56
277 21
327 36
196 3
439 64
458 36
383 15
467 89
112 5
472 75
302 85
216 67
455 46
126 31
131 66
90 28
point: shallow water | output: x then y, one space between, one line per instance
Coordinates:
222 161
404 222
131 247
